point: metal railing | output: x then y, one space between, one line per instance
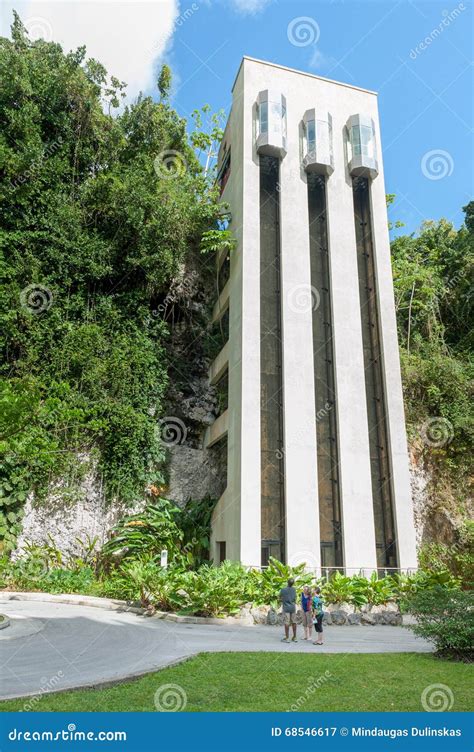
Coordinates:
326 572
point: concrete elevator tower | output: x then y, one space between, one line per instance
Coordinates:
314 429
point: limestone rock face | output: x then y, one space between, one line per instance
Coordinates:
437 510
194 473
69 519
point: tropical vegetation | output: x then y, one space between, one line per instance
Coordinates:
103 208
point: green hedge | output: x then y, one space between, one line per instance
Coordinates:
207 590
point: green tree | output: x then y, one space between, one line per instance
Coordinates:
99 214
433 274
164 81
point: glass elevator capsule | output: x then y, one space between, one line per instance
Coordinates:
271 123
361 147
317 142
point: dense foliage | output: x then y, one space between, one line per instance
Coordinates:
205 590
433 275
99 213
446 618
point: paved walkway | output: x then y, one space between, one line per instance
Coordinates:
53 646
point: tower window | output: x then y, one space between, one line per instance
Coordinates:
221 551
263 117
224 172
317 142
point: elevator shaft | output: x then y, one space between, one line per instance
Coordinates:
324 379
380 465
272 454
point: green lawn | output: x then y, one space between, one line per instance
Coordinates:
276 681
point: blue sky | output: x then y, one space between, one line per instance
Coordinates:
416 54
425 97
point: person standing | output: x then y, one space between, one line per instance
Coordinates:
307 608
318 614
288 602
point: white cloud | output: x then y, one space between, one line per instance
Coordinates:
126 36
244 7
250 7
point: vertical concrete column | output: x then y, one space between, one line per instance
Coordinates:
297 301
245 319
403 505
355 480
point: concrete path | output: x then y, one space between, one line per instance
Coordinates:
51 647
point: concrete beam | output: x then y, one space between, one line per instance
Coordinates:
219 365
222 303
217 430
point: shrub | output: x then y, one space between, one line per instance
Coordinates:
374 591
263 587
214 591
457 558
341 589
445 617
407 585
144 535
195 521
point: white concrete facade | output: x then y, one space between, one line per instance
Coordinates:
237 518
